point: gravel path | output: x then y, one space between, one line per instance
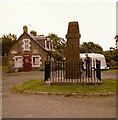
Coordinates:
40 106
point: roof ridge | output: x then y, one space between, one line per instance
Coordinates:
35 40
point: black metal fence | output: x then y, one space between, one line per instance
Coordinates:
61 71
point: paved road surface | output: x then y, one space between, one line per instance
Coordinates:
39 106
113 75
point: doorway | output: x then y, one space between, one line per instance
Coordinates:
27 62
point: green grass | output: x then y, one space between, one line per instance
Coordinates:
3 67
110 70
109 85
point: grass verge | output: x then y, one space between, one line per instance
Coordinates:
109 85
110 70
3 67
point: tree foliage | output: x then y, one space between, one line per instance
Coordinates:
59 46
56 55
111 55
111 58
7 41
90 47
33 32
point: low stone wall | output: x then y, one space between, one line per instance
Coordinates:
69 94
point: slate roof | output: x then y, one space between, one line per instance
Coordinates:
40 40
35 40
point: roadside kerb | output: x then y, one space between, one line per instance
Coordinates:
70 94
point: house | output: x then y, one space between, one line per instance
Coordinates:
29 52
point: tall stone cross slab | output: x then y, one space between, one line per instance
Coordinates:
73 51
73 42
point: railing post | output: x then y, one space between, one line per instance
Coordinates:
94 69
98 70
47 71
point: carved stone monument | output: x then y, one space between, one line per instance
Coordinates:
73 51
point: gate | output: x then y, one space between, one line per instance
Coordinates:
47 71
98 71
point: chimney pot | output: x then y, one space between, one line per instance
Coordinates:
25 28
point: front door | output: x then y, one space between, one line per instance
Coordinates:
26 63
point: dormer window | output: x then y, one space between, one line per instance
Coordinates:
26 44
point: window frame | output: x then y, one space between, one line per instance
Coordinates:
34 56
24 44
15 65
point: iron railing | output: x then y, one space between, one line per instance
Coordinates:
61 71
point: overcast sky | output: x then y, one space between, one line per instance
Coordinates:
96 18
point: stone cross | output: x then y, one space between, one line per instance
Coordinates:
73 50
73 42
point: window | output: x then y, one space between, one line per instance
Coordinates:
26 45
18 61
46 44
51 44
36 61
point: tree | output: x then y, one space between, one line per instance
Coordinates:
112 58
59 46
115 55
111 55
33 32
56 55
90 47
7 41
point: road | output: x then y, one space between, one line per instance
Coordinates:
112 75
46 106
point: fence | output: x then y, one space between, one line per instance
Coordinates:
73 72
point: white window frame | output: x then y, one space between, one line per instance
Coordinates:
49 41
39 61
24 45
49 45
46 44
15 65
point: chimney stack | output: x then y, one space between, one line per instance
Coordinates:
25 28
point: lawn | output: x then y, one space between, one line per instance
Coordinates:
110 70
109 85
3 67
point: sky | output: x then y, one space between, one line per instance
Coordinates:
96 18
